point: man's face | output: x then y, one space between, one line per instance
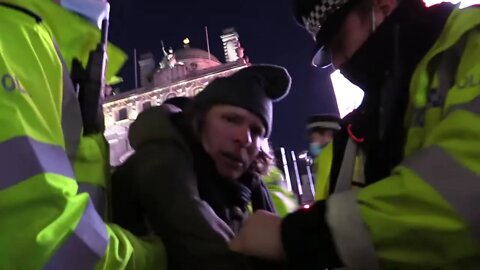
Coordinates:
356 28
232 136
321 138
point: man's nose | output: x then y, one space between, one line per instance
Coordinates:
244 136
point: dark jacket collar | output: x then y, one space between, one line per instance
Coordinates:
383 67
402 40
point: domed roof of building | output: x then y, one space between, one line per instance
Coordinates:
193 53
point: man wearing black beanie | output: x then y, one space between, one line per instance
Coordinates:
195 172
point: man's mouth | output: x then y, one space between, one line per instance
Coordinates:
234 159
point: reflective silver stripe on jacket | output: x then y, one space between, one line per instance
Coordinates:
472 106
88 243
350 234
97 195
457 184
85 246
24 157
345 176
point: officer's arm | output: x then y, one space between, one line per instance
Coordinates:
423 215
59 227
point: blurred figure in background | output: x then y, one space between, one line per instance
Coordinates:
321 129
285 201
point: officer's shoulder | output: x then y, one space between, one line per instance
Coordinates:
22 10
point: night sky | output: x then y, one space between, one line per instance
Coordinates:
267 31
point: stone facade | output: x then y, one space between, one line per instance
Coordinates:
179 79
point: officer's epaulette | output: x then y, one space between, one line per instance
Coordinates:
24 10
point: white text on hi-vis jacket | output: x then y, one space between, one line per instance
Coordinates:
10 84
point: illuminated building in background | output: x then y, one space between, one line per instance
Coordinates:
182 72
231 44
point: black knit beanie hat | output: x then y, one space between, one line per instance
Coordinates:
253 88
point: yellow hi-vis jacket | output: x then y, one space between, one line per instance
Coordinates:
46 223
285 201
425 214
323 165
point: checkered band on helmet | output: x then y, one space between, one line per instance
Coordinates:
313 20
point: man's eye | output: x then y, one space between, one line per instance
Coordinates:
231 119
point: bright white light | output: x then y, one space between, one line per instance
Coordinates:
348 95
463 4
303 155
429 3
